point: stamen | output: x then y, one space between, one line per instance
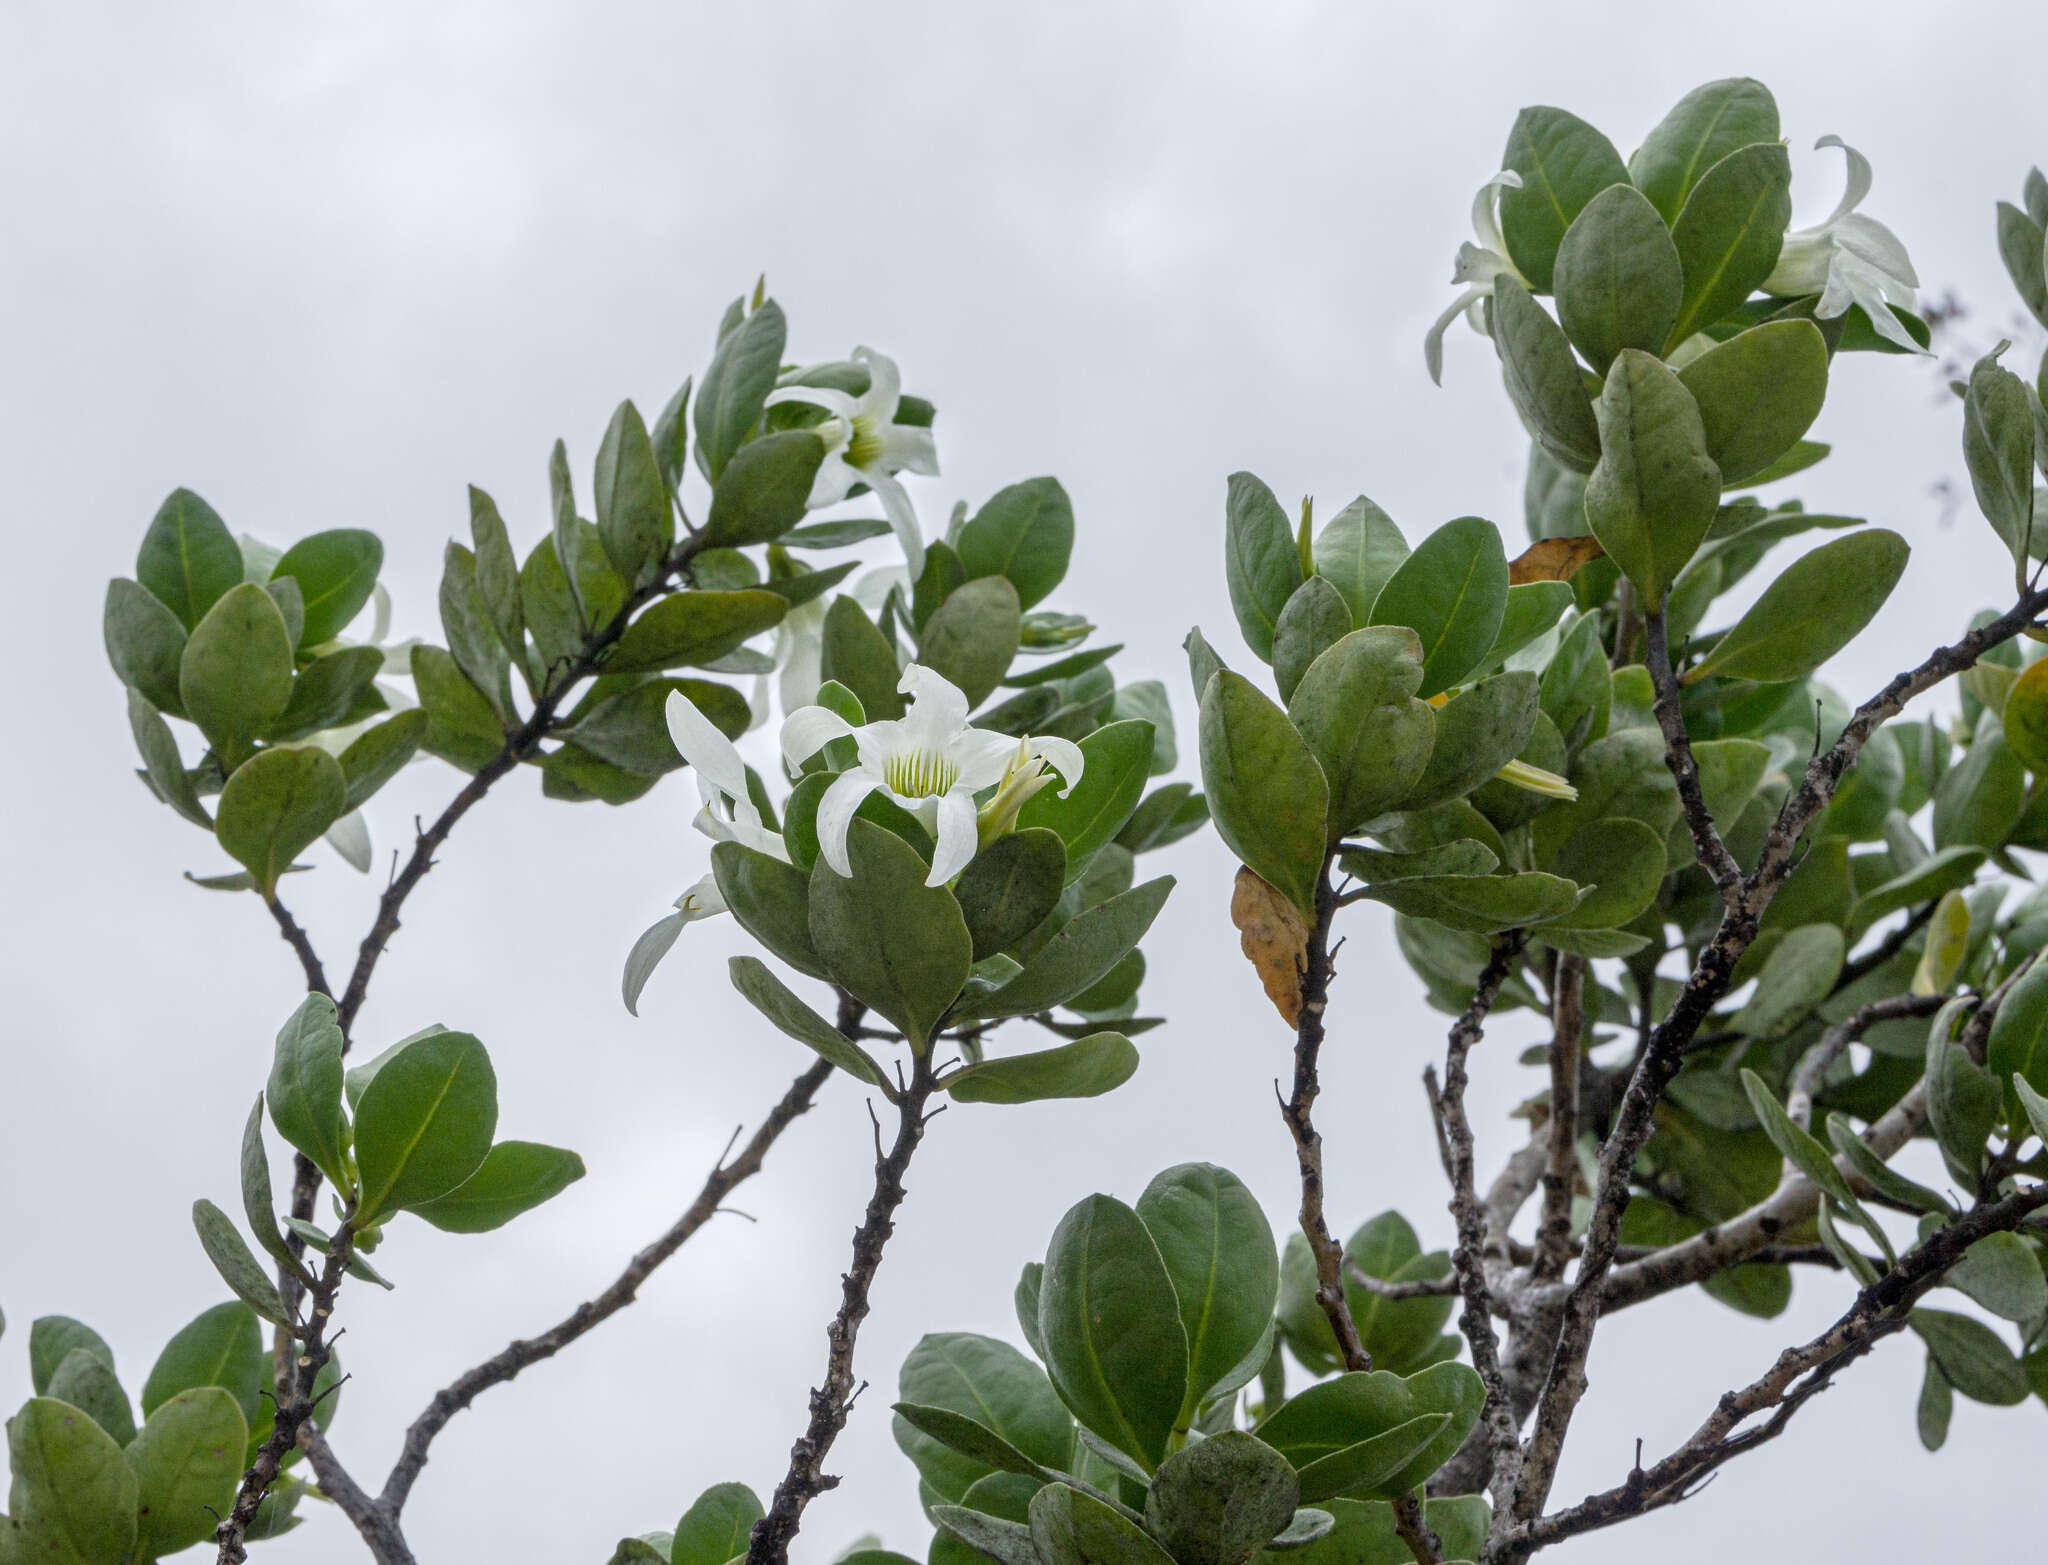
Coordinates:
920 774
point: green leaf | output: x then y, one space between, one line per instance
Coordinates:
1729 233
145 643
1356 552
187 1461
1083 951
497 573
1365 1532
1963 1099
1797 976
238 1268
222 1346
188 557
716 1526
335 571
774 1000
1972 1356
89 1384
1217 1503
1071 1528
1577 690
1703 127
772 901
1653 495
1935 1407
259 1205
2036 1108
1618 279
1981 798
1261 562
275 806
472 637
634 519
1452 592
514 1177
1478 731
161 762
1533 607
424 1123
1265 789
2000 1271
995 1385
463 728
304 1090
1998 448
1085 1068
992 1537
764 490
630 729
1936 876
1887 1181
1110 1322
1365 1468
1543 378
235 675
972 637
1813 610
327 691
1025 533
1314 620
859 656
2021 248
1480 904
2025 717
694 628
1116 761
73 1494
1218 1250
1619 866
291 603
1564 163
377 755
2017 1046
1337 1414
52 1339
1010 887
1798 1148
893 942
966 1436
741 374
1757 393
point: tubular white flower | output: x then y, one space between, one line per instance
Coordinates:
930 762
1849 259
865 445
1479 266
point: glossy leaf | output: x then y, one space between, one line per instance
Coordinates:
1265 789
1219 1253
188 557
715 1528
887 938
1813 610
1261 562
222 1346
187 1460
1356 552
1452 592
514 1177
1217 1503
304 1090
1024 533
1653 495
239 1269
1757 393
275 806
235 674
73 1493
1116 758
1543 380
1085 949
1563 163
992 1383
1617 279
1703 127
336 572
424 1123
774 1000
1729 232
693 629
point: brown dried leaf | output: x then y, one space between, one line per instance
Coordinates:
1554 559
1275 936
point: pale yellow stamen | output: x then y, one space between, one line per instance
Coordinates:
920 774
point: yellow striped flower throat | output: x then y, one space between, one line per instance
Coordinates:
920 774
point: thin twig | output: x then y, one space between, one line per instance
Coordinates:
1561 1170
1713 853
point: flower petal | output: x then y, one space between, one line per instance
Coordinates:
1860 179
701 744
907 448
808 730
350 837
646 955
835 476
956 836
832 400
885 385
902 518
983 756
1484 223
938 708
835 815
1433 339
1063 756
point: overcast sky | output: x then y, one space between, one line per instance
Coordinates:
327 264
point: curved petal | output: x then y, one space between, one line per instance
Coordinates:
1433 339
1870 241
835 476
1859 178
832 400
956 835
885 385
350 837
1484 223
646 955
701 744
902 518
907 448
1063 756
982 756
873 587
835 815
808 730
938 708
702 900
380 618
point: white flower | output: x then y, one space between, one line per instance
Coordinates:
930 762
799 641
1849 259
865 445
729 814
1479 267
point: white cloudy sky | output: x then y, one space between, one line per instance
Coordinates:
328 263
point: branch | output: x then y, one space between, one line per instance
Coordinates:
1703 989
1561 1170
294 1408
1713 853
1813 1065
1879 1310
832 1401
1468 1260
377 1527
528 1351
302 946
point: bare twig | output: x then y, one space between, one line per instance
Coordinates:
1813 1065
1561 1170
1713 853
